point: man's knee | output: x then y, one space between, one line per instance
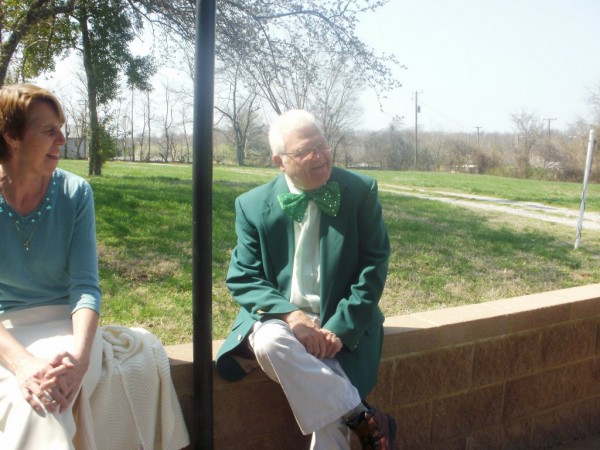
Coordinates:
270 337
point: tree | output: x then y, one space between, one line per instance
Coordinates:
594 102
32 34
281 45
528 132
106 29
42 29
335 100
387 149
185 121
77 122
167 145
459 153
238 104
573 146
274 38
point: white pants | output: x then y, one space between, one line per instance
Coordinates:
318 391
45 331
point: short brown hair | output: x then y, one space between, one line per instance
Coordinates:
16 101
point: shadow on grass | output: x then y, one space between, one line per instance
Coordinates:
443 255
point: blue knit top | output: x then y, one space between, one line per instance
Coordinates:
49 257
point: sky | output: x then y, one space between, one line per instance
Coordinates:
474 63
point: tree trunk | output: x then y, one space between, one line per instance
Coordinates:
95 156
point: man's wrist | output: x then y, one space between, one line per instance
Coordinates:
292 316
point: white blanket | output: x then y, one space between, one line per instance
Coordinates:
135 404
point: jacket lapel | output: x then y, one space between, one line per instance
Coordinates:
332 232
279 235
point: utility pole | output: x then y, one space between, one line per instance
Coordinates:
417 111
478 128
550 119
548 155
132 140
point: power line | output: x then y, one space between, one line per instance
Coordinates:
462 125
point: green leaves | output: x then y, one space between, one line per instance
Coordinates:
32 35
112 27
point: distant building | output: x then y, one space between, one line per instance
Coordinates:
76 148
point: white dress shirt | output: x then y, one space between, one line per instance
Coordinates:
306 273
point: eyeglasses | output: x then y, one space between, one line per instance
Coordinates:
321 147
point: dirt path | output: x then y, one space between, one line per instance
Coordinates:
538 211
531 210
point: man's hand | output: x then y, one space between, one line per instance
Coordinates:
334 343
318 342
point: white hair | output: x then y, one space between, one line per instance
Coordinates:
283 124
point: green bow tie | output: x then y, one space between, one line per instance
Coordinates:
327 198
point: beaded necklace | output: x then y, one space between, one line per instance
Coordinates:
27 240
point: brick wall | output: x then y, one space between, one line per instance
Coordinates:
516 373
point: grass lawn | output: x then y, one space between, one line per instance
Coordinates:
442 255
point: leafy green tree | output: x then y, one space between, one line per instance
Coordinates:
40 30
108 144
32 34
277 41
107 28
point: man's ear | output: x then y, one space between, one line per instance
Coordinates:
278 161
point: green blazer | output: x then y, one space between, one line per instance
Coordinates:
354 260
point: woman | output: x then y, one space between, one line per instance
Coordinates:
50 346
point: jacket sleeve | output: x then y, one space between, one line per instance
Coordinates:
251 278
358 309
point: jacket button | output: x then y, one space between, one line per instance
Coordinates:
239 337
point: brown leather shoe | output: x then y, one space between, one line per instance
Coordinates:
375 430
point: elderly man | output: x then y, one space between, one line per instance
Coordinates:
308 271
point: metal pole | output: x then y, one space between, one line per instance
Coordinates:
588 168
549 119
416 129
202 224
